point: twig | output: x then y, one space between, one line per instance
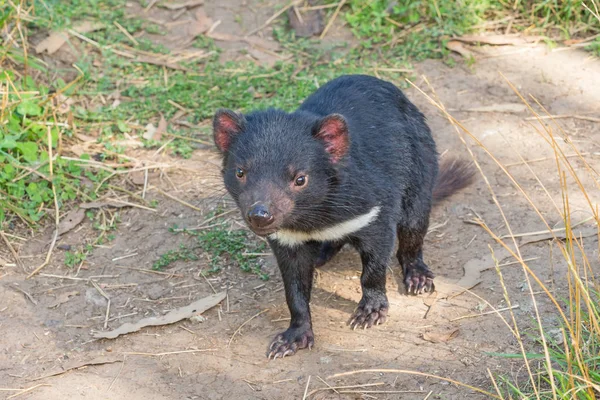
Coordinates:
15 237
148 271
127 203
124 31
485 313
120 370
12 250
347 350
153 61
207 281
122 316
188 138
178 200
124 257
277 14
103 293
134 353
330 387
74 278
23 391
306 388
563 116
145 184
510 263
556 230
242 325
334 388
150 5
381 391
409 372
29 297
332 19
541 159
56 214
206 221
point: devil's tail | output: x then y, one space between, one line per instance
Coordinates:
454 174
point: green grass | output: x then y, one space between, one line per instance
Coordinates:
181 254
232 247
72 259
225 248
28 134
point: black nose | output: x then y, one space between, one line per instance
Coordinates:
259 216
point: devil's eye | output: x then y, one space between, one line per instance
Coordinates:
300 180
240 173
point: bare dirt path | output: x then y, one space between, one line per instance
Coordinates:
55 333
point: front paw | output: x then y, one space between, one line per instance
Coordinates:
288 342
372 311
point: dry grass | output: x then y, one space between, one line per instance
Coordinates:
570 369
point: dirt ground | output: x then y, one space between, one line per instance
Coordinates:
52 330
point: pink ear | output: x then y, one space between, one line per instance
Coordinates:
333 131
226 124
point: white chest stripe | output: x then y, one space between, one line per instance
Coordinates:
335 232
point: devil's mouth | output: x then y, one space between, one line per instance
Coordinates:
263 231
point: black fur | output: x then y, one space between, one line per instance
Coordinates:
377 151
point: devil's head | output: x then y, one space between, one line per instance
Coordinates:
281 168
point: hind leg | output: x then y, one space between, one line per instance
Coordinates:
418 278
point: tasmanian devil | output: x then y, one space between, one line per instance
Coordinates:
354 164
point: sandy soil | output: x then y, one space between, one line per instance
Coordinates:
43 338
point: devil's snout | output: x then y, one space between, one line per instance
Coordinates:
259 216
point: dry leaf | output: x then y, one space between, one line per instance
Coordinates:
63 298
499 40
185 4
500 108
161 128
201 24
474 267
149 131
440 337
71 220
171 317
459 48
56 39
